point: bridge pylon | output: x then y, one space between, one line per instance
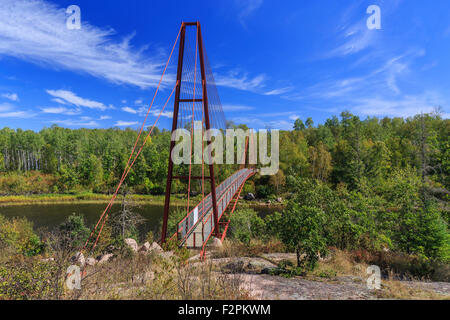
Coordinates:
207 123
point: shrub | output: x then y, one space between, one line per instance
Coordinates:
245 224
17 233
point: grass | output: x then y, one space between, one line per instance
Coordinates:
85 197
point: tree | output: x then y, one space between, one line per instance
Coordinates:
298 125
277 181
309 122
301 229
125 222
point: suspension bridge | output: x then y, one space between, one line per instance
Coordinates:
195 100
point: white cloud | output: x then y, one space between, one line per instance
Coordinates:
121 123
129 110
138 102
233 108
8 110
76 123
11 96
60 110
246 8
35 31
72 98
406 106
237 80
60 101
105 117
278 91
124 101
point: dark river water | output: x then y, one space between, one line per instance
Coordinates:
49 216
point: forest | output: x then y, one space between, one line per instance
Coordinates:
349 183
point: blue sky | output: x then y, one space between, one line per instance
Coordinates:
274 61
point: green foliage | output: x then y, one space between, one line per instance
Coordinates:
245 224
18 234
75 229
28 280
302 231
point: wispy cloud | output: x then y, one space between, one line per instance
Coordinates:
35 31
246 8
129 110
406 106
72 98
121 123
279 91
82 122
233 108
11 96
238 80
104 117
8 110
61 110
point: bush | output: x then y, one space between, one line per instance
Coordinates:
245 224
18 234
76 230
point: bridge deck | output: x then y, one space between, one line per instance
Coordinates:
198 224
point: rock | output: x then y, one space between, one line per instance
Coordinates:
216 243
259 264
48 259
279 199
249 196
145 247
155 248
104 258
267 270
79 259
235 266
132 244
91 261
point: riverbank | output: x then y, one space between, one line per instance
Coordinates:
87 197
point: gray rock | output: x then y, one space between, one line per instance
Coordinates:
78 258
216 243
105 258
145 247
132 244
155 248
249 196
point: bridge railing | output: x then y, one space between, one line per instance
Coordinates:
208 221
202 210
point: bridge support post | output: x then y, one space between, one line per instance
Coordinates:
208 126
174 127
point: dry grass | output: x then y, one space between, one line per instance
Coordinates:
153 277
255 248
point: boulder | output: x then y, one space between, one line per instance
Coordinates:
132 244
145 247
48 259
91 261
249 196
78 258
104 258
155 248
216 243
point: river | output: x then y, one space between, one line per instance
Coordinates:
48 216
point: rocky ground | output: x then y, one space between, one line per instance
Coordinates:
253 274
